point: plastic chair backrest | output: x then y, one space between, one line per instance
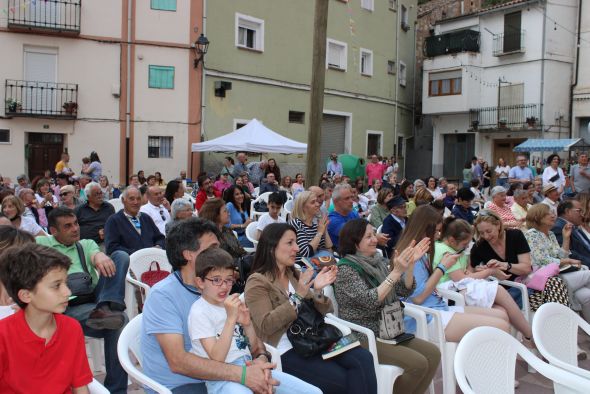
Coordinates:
329 292
95 387
485 363
251 232
555 329
117 203
130 340
379 229
140 261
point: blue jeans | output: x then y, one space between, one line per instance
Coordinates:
351 372
111 290
193 388
289 384
502 182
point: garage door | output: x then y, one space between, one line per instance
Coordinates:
333 129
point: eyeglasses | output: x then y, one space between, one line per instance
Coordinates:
64 194
218 281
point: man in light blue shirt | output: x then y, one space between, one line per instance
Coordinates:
165 341
521 172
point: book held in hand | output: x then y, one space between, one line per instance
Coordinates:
397 340
345 343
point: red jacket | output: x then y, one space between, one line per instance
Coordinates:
202 197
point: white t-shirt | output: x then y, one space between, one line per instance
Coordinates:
266 219
30 225
436 193
499 170
206 320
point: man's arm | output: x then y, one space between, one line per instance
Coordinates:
184 363
113 236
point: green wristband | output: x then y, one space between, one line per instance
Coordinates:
243 381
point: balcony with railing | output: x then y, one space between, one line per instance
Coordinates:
509 43
455 42
41 99
56 15
524 117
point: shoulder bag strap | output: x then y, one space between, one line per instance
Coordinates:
81 256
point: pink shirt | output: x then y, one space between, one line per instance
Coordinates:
374 171
221 186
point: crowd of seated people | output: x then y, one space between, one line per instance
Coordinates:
198 337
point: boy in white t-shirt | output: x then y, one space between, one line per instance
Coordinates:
275 203
220 328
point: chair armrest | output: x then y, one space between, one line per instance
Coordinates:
435 324
138 283
363 330
421 321
276 356
250 250
452 295
526 308
342 327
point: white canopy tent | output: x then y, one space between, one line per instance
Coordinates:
254 137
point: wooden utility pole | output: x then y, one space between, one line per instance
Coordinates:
318 75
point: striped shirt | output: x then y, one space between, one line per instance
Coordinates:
305 235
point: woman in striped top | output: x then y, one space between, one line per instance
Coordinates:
310 226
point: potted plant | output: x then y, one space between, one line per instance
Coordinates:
531 121
13 105
502 123
70 107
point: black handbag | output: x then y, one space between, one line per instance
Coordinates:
309 334
243 266
80 283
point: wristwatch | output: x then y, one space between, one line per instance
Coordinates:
266 354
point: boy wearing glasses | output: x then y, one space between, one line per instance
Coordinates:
220 328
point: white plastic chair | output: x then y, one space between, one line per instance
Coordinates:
378 228
555 329
253 213
129 340
287 209
485 363
95 387
117 203
256 191
139 262
386 374
251 231
95 352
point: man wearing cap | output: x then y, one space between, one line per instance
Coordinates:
551 197
394 223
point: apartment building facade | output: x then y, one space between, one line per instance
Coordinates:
259 66
496 77
111 76
581 81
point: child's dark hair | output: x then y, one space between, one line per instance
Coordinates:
465 194
212 259
459 229
24 266
278 198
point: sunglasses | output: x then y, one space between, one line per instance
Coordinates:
64 194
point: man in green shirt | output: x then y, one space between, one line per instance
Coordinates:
101 312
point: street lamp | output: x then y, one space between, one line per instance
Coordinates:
201 46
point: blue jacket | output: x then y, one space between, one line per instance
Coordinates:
120 234
579 246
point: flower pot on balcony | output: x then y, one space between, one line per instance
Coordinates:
531 122
502 123
14 105
70 107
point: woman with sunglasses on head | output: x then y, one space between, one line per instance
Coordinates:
274 290
67 197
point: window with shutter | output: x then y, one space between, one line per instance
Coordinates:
249 32
161 77
336 54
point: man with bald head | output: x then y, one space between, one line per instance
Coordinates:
155 209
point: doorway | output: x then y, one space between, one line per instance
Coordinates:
504 149
458 149
43 152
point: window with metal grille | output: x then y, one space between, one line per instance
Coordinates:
161 77
296 117
4 136
160 147
163 5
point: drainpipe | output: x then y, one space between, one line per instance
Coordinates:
128 95
577 73
542 89
203 106
397 29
